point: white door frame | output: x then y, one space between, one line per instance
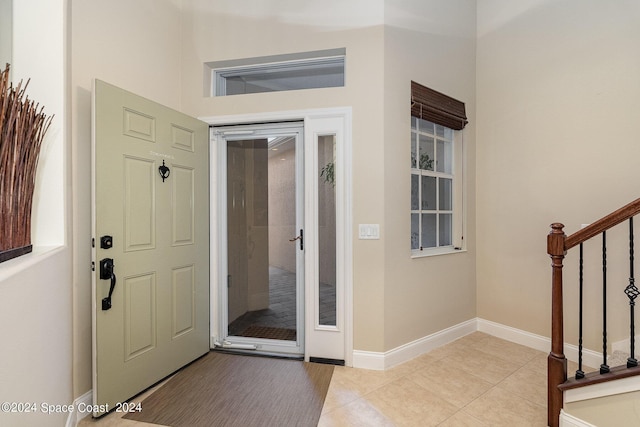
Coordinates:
261 131
344 220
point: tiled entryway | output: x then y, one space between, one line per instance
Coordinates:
476 381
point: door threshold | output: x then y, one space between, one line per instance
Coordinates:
325 361
258 353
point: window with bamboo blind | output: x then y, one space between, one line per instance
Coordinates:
437 224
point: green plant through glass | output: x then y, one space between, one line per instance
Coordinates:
426 162
328 172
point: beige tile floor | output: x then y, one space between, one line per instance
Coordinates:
476 381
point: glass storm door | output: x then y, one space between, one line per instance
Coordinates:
262 264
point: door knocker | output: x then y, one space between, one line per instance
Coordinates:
164 171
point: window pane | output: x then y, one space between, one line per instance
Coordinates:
415 231
414 123
428 230
415 195
445 193
261 205
327 260
426 126
443 154
445 229
426 153
272 77
440 130
414 151
428 193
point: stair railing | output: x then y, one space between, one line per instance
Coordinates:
558 243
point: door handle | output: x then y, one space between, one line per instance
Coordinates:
301 238
107 273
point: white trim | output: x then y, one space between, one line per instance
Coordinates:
259 72
517 336
74 417
381 361
279 116
385 360
624 345
214 236
568 420
368 360
538 342
276 116
220 136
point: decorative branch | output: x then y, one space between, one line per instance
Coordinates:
22 128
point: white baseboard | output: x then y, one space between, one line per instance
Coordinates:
589 357
625 345
517 336
74 416
568 420
384 360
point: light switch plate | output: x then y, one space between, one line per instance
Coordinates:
369 231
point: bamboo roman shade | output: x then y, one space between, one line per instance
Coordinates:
436 107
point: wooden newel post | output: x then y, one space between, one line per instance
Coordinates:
556 362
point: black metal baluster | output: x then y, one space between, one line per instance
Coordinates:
580 372
632 292
604 368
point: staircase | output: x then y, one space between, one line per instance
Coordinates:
608 404
619 366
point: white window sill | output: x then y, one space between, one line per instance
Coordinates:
21 263
436 251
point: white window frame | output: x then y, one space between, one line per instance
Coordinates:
457 208
257 67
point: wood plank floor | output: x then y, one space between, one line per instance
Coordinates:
231 390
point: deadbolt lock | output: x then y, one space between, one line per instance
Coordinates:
106 242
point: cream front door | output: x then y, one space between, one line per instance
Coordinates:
151 243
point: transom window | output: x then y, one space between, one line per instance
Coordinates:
303 70
432 183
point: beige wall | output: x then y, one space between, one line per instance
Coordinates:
547 80
35 289
387 282
433 43
136 46
227 30
558 100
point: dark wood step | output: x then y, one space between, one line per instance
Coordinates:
596 377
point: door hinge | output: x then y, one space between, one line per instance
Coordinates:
93 266
93 242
